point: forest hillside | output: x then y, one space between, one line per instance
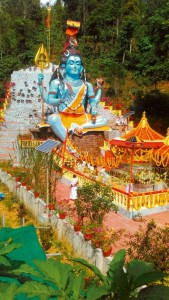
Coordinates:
126 42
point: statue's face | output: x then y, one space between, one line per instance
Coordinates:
74 66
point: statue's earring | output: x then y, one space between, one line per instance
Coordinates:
84 71
62 72
58 73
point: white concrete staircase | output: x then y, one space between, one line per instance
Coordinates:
24 110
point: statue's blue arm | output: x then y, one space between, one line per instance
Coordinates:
53 97
94 99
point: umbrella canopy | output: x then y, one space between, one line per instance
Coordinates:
161 155
143 134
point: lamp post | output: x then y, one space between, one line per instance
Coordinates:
46 148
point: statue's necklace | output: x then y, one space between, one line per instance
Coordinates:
72 96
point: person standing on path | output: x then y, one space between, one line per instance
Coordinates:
73 189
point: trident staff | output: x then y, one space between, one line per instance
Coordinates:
48 29
42 61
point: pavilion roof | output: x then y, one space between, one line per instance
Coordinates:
164 150
166 141
144 132
128 144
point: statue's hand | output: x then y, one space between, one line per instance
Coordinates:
40 77
100 82
64 95
93 119
93 111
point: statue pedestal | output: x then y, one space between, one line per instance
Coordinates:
109 135
89 143
42 133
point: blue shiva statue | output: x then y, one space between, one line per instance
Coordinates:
74 98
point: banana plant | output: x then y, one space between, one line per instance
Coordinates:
52 279
136 280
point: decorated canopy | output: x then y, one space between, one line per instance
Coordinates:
144 132
161 155
139 143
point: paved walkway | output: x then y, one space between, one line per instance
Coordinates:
117 221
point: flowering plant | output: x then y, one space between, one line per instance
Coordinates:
119 106
76 221
61 206
88 228
105 237
149 176
51 206
64 206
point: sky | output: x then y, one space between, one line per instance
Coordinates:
44 2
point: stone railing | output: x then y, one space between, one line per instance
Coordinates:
130 204
37 206
149 200
29 143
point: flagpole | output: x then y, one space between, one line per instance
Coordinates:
48 30
64 150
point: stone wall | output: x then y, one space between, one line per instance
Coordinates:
89 142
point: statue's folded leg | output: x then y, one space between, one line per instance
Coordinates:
78 130
57 126
75 128
100 121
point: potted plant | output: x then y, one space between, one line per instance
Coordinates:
88 231
60 209
98 236
62 214
96 241
36 194
94 201
109 238
77 226
138 217
51 206
106 248
18 179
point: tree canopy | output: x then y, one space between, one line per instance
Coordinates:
116 38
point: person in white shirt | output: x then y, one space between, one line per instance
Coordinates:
73 189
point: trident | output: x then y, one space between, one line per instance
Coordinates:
42 62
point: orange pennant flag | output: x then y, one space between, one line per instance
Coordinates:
48 21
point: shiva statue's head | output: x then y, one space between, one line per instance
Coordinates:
71 65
